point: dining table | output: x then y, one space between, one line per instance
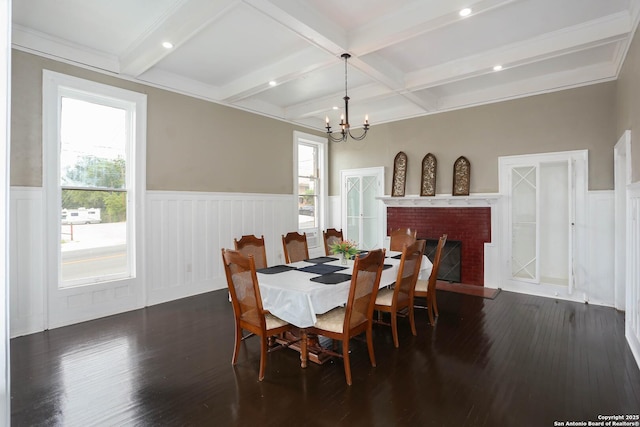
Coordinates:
299 291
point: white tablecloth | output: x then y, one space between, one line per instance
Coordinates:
293 297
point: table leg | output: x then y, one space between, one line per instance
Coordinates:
304 355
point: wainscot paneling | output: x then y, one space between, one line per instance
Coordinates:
26 261
186 230
632 315
599 288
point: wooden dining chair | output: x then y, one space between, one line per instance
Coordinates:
401 237
331 236
400 296
247 305
252 245
427 288
295 247
343 323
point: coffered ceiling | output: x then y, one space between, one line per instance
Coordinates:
409 57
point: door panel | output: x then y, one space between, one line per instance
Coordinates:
362 212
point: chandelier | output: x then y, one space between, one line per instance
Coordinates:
345 127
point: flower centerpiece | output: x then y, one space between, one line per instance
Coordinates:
345 248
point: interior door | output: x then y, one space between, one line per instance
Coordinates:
363 214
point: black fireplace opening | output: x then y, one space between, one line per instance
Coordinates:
450 268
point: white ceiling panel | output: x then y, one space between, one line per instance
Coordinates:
409 57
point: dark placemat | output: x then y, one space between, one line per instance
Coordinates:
385 266
332 278
275 269
321 259
321 269
399 256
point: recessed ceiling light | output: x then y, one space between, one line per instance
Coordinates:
335 108
497 67
465 12
272 83
167 45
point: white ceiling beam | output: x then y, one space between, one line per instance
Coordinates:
307 23
324 106
597 73
285 70
602 31
179 25
417 18
323 35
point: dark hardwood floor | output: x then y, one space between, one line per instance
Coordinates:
517 360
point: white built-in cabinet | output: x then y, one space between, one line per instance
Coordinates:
544 200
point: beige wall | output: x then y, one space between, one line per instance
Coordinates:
628 103
192 145
195 145
575 119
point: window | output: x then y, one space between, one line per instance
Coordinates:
95 138
310 186
94 168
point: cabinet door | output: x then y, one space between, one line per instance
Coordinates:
524 224
540 211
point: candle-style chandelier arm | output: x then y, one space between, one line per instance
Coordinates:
345 127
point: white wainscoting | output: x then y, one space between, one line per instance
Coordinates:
186 231
632 314
599 286
26 261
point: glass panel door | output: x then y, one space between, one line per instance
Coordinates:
354 192
524 223
362 211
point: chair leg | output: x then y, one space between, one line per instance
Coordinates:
412 319
345 358
372 356
435 303
236 348
430 310
263 357
394 328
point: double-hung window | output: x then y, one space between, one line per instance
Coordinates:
94 181
310 172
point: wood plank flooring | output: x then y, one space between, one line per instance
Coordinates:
517 360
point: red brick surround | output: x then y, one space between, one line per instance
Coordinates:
471 225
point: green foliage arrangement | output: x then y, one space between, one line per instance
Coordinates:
346 247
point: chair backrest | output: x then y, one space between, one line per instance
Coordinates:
295 247
252 245
365 280
433 278
243 287
408 271
331 236
400 238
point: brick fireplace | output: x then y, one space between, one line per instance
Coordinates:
468 222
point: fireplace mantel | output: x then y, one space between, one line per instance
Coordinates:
443 201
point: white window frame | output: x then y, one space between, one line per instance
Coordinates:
323 175
56 85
